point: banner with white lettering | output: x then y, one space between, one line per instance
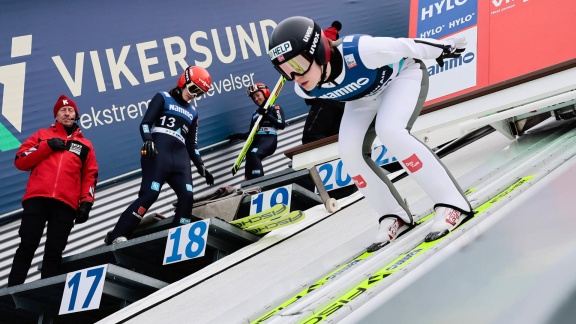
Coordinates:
449 19
500 35
112 57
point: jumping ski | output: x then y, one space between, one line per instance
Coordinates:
246 146
276 222
380 275
403 260
252 220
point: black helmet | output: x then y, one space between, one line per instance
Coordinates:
298 36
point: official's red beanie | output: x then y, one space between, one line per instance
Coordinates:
65 101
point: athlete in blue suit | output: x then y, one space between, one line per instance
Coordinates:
384 85
169 130
266 139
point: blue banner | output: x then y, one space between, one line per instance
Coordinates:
112 57
439 18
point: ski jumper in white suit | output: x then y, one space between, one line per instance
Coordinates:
384 85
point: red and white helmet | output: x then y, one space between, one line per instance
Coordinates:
196 79
258 86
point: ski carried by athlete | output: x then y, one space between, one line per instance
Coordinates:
269 102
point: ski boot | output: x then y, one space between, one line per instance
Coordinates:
119 239
446 219
389 228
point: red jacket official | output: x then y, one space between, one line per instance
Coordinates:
69 175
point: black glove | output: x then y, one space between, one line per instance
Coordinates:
206 174
149 150
236 136
455 48
82 212
262 111
266 115
56 144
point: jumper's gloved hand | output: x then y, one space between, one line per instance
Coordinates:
82 212
206 174
262 111
56 144
454 48
149 150
235 136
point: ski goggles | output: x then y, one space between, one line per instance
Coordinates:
193 89
253 88
298 65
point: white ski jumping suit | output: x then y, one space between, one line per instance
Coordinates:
384 85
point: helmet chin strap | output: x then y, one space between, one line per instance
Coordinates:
323 77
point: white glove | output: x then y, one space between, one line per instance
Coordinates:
453 47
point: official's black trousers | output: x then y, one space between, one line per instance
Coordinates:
37 212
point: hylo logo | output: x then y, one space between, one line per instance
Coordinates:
440 6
